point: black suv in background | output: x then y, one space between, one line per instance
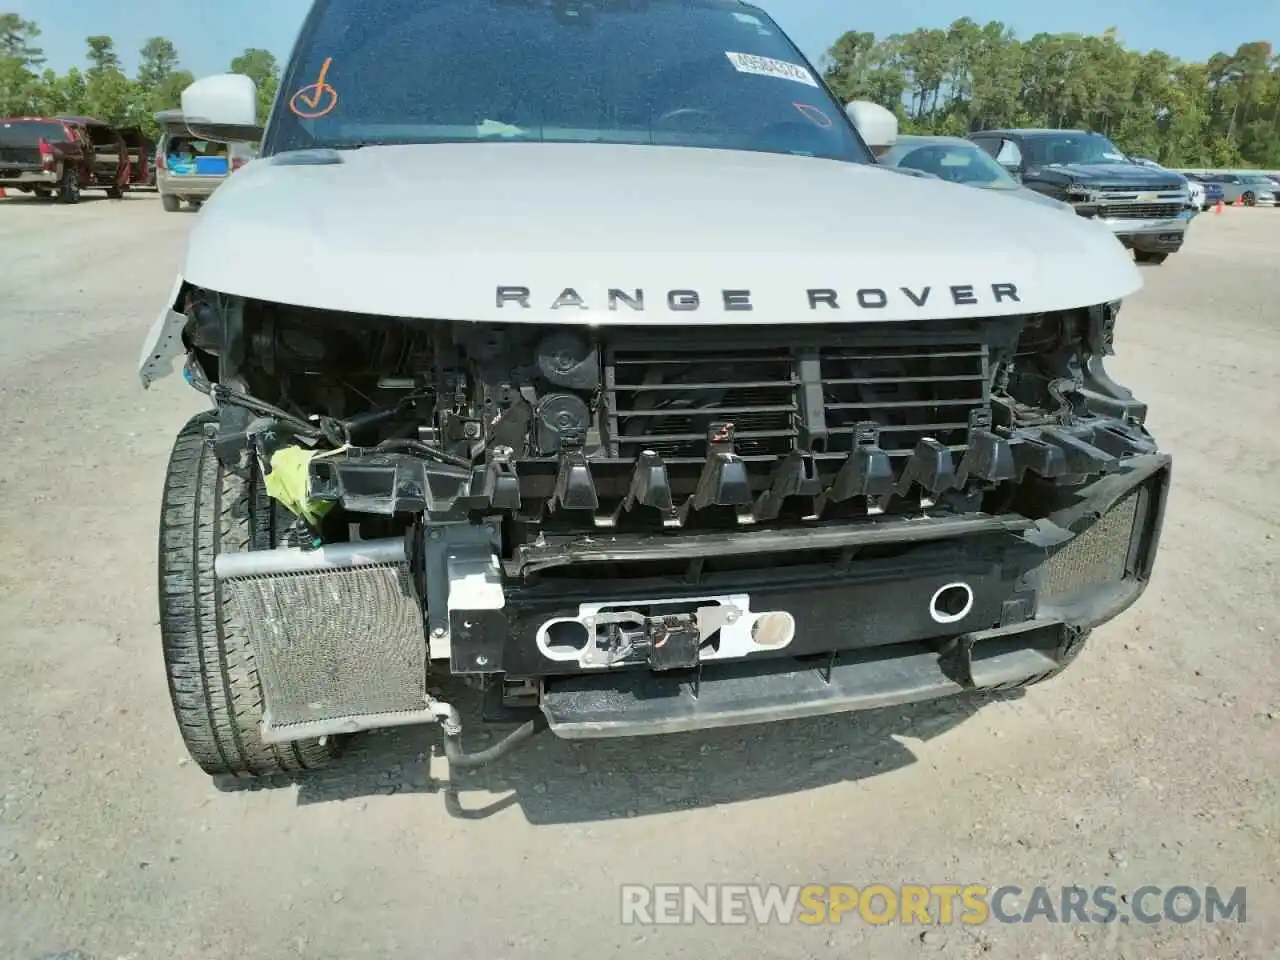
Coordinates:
1148 209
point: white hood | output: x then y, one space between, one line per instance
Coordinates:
434 231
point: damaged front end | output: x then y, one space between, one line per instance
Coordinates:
646 529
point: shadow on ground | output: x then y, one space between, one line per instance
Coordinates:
556 781
16 198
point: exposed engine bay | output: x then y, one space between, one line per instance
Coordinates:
510 417
552 502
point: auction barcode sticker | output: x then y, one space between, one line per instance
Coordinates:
768 67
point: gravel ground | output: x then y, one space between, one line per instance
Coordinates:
1154 760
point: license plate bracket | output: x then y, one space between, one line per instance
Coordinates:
666 634
673 641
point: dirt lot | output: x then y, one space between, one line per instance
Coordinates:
1154 760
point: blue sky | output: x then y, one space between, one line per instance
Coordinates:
208 33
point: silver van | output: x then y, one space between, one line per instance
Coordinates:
190 168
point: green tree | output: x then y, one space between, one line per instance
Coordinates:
63 95
157 60
1225 112
160 83
19 60
102 54
109 94
16 39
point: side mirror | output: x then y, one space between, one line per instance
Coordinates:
877 126
223 107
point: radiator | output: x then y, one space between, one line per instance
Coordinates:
337 635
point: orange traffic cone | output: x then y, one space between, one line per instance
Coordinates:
2 193
1219 208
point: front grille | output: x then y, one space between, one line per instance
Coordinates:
1128 188
665 401
789 395
1141 211
910 392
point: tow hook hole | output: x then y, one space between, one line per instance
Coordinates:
567 636
951 603
773 629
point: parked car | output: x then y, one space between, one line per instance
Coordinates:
1247 189
61 156
1147 208
112 164
189 168
961 161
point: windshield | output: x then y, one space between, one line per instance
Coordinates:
697 73
29 133
1073 148
957 162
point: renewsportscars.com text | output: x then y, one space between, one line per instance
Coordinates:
881 904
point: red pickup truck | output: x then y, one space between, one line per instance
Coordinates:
60 156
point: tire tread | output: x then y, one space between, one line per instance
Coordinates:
213 680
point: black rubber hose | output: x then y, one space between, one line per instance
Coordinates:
262 408
422 450
457 758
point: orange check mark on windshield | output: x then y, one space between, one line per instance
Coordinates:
315 99
319 86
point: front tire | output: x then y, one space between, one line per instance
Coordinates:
1150 256
1249 199
170 203
213 679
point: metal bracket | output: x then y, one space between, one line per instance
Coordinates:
668 641
463 575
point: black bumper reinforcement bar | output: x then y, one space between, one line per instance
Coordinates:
639 703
